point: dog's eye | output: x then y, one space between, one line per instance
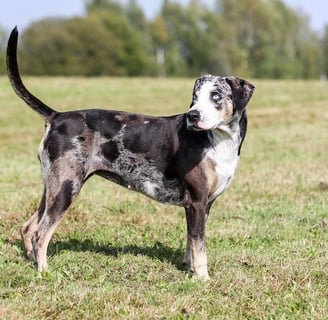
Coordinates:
216 97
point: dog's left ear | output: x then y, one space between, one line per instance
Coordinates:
242 91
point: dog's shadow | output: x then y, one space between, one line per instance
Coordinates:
158 250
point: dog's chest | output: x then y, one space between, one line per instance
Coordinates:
221 162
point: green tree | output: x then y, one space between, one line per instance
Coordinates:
134 57
142 33
191 47
136 16
173 16
270 39
69 48
160 41
93 6
102 43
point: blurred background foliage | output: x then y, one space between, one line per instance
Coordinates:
251 38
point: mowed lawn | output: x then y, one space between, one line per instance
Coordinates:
118 254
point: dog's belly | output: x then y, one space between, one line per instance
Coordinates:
135 172
162 190
150 183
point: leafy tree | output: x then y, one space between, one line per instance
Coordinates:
160 41
93 6
103 43
173 16
69 48
136 16
134 56
191 46
142 33
269 39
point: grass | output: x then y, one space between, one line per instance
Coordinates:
117 255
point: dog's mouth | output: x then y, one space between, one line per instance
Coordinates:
193 128
198 125
196 122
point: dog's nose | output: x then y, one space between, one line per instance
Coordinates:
193 116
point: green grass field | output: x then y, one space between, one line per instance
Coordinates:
117 255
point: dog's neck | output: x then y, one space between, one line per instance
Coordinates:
228 132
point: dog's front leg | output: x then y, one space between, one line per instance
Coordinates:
195 256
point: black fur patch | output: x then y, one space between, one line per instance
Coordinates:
103 121
110 150
62 200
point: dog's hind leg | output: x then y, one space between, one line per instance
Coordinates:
29 228
27 231
61 190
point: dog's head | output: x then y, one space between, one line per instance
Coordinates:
216 101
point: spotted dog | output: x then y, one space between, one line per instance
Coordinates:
186 160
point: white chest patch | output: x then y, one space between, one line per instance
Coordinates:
223 158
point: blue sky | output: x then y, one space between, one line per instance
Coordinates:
22 12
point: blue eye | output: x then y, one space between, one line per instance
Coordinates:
215 96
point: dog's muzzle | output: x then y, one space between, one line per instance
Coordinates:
193 117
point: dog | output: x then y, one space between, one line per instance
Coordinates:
186 160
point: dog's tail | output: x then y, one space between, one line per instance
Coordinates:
13 73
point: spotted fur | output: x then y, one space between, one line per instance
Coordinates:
186 159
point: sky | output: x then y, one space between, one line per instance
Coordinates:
23 12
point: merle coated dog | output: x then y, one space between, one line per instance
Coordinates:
187 159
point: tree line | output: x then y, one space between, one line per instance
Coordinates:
251 38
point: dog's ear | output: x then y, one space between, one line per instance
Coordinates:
242 91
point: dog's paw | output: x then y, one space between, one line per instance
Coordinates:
30 255
201 272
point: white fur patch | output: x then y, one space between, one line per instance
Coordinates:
150 188
224 155
206 108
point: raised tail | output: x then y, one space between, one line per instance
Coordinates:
13 73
